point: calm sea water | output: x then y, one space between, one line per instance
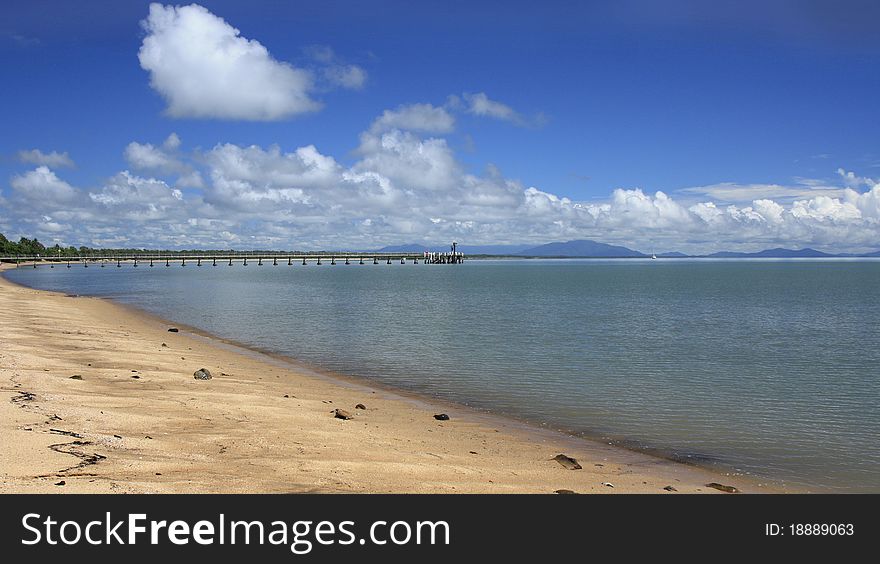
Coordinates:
770 368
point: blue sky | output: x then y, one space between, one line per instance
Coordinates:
595 106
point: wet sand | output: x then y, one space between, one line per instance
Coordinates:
136 420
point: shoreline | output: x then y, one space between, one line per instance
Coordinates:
394 445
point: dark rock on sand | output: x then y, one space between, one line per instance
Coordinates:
565 492
722 487
173 330
670 489
136 377
441 417
164 345
76 377
360 406
567 461
342 414
202 374
61 483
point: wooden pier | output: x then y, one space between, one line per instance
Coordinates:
229 259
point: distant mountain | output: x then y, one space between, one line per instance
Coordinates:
580 248
773 253
673 254
588 248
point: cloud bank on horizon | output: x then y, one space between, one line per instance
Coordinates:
406 183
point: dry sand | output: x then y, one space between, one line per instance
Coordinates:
138 421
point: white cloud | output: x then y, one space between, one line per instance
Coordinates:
407 187
334 70
145 156
53 159
204 68
734 192
351 77
479 104
42 187
424 118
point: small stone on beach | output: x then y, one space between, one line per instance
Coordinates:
670 489
342 414
567 462
202 374
360 406
76 377
173 330
164 345
136 377
608 484
441 417
61 483
565 492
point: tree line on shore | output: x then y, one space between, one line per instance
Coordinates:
32 247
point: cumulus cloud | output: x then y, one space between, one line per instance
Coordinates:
53 159
424 118
163 159
407 186
42 185
204 68
145 156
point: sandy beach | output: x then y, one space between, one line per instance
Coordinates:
99 398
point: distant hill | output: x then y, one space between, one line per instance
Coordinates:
673 254
589 248
580 248
773 253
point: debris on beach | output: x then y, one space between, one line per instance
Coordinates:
202 374
164 345
565 492
441 417
670 489
136 377
360 406
342 414
76 377
61 483
722 487
173 330
567 462
67 433
608 484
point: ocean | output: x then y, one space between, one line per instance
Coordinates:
769 368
